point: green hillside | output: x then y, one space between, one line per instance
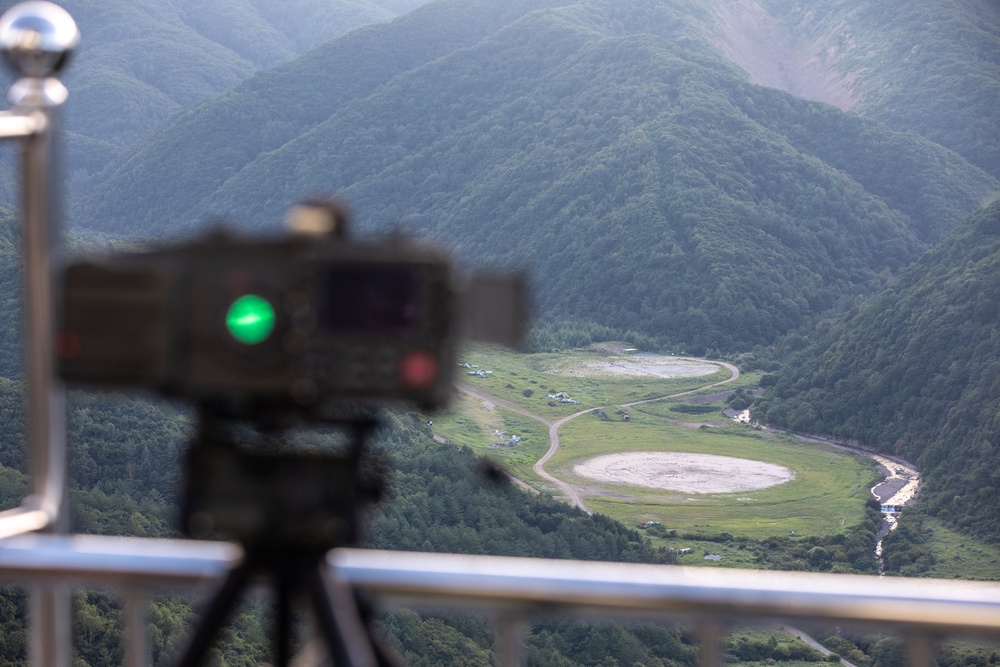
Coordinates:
914 371
140 62
11 288
610 151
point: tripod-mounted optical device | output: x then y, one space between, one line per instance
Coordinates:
273 333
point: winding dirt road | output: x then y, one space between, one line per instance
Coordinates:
572 494
728 366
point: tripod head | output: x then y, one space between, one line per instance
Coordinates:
284 500
287 509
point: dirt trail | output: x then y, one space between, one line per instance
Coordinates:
572 494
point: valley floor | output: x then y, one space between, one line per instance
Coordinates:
642 438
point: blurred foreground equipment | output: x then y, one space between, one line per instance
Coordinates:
275 332
249 325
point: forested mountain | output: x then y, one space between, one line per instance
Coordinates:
927 66
915 371
608 147
142 61
618 149
11 288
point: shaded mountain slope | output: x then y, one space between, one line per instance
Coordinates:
915 371
210 143
606 148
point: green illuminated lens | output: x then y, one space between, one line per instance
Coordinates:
250 319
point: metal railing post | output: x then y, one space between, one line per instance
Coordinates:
138 652
710 638
511 629
36 39
919 650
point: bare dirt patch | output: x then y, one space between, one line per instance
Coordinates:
778 56
635 365
684 472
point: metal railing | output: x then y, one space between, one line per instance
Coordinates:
37 37
515 590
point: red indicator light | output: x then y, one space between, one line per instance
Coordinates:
68 345
418 369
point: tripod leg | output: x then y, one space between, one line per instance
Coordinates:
349 638
215 615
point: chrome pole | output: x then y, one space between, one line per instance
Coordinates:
36 39
511 630
138 652
45 402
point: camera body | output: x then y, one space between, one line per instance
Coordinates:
236 323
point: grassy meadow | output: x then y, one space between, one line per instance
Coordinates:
826 496
960 556
526 380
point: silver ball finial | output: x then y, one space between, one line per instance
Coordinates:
37 37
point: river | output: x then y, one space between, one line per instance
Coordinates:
898 488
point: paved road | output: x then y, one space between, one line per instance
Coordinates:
573 494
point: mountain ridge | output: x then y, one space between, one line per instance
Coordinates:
927 66
772 55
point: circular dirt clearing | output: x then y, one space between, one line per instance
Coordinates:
651 365
678 471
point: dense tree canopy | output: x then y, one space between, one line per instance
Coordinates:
140 62
915 371
632 170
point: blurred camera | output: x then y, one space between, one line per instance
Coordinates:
238 322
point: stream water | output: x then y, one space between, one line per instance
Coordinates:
898 489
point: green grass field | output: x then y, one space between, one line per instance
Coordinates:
826 496
468 422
